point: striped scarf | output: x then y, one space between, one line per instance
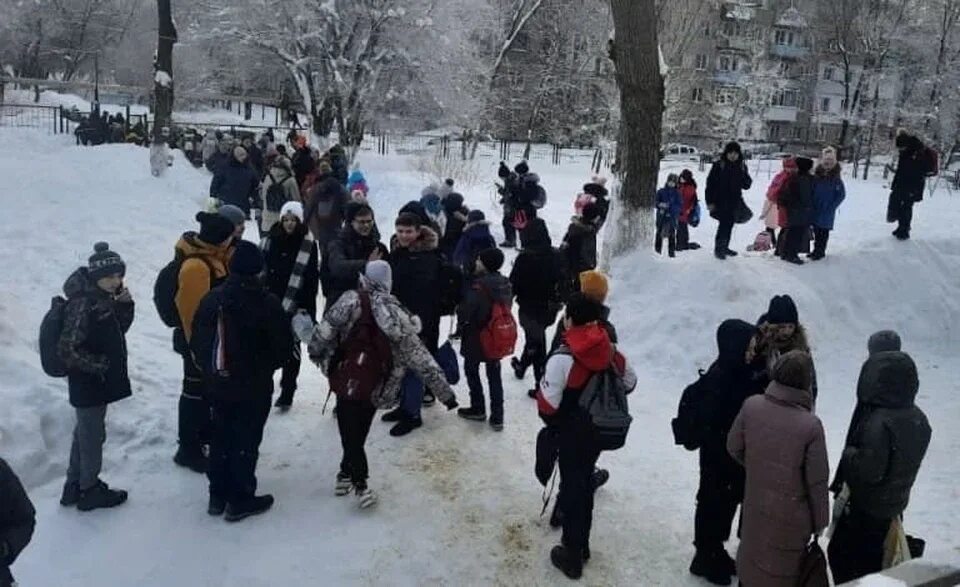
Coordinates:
299 267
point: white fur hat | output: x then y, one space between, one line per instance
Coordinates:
292 208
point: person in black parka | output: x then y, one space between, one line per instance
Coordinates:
908 183
291 274
241 335
735 375
93 347
17 520
579 246
724 195
237 183
884 450
347 255
797 200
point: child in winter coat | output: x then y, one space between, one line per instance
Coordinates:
594 192
93 347
828 193
579 246
689 201
476 237
474 314
456 219
357 182
797 199
669 205
17 520
772 215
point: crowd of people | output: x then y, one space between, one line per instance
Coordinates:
240 312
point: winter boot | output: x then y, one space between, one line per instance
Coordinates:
429 399
496 423
599 478
366 498
471 413
708 565
216 506
100 496
405 426
196 462
569 563
394 415
344 485
730 252
284 401
532 393
252 506
519 369
795 260
71 494
720 254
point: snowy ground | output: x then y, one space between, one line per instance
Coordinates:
459 504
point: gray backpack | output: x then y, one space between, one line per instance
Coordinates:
604 400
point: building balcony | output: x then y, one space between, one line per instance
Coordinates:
781 114
789 51
728 78
741 44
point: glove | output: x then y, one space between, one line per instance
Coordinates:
451 404
302 326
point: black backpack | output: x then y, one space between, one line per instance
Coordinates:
276 195
604 399
687 426
51 327
166 286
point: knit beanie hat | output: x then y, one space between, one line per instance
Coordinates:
794 369
883 341
292 209
235 215
733 147
492 259
378 275
804 164
247 259
104 262
474 216
594 285
782 310
214 228
582 310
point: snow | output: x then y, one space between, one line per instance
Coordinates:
459 503
163 78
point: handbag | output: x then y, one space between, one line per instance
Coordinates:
813 567
447 360
743 213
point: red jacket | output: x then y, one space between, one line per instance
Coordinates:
688 198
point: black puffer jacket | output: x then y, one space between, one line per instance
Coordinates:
536 274
910 180
417 281
580 247
257 338
93 343
17 520
725 186
281 256
797 200
887 446
474 313
344 261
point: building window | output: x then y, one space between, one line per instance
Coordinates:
775 131
843 105
729 63
786 98
701 62
697 95
824 104
784 69
725 96
828 73
782 37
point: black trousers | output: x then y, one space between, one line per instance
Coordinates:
683 236
820 238
856 548
719 496
288 379
535 345
509 230
900 210
235 446
193 418
793 244
578 458
724 233
353 420
666 230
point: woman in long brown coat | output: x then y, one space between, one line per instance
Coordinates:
781 445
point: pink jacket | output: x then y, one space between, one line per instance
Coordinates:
781 445
772 214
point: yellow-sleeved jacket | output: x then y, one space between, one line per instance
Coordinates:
196 273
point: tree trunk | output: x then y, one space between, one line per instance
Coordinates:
163 85
639 77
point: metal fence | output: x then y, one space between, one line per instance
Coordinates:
49 118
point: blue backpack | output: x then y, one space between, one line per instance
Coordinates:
694 219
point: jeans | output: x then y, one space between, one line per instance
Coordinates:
411 395
353 420
724 233
472 371
194 410
86 451
235 446
534 346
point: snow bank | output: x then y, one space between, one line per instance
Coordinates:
459 503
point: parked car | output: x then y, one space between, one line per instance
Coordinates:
679 152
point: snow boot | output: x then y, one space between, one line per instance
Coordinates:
720 255
429 399
394 415
901 234
693 246
599 478
731 253
532 393
795 260
344 485
366 498
71 494
216 505
474 414
496 423
253 506
569 563
405 426
195 462
100 496
285 401
519 369
708 565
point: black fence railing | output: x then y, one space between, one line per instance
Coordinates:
48 118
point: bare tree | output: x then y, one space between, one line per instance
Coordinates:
640 79
163 85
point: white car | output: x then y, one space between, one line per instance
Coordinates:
678 152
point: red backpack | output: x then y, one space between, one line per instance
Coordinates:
363 360
499 337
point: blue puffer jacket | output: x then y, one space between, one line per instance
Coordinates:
828 193
669 203
238 184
